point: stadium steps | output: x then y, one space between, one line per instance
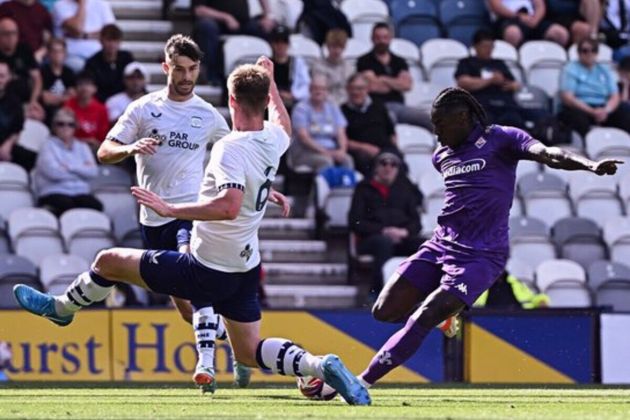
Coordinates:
305 273
137 9
145 51
329 297
140 30
286 228
281 250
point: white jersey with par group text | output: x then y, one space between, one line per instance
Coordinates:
247 160
184 130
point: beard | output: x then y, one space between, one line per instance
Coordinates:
183 88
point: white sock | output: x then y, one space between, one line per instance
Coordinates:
205 324
285 358
221 331
364 382
83 291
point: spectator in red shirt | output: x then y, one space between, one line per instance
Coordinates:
91 115
34 22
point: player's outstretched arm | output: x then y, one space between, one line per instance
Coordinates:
558 158
225 206
111 151
278 113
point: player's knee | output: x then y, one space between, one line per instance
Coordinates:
383 313
105 263
513 35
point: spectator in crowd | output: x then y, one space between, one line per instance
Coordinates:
336 69
27 80
389 78
523 20
80 23
624 78
615 26
590 94
214 18
490 81
91 115
508 292
580 17
320 16
384 215
11 123
108 64
370 130
64 167
290 73
57 78
135 80
34 23
320 129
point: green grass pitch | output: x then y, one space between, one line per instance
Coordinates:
122 401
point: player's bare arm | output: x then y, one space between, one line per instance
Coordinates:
112 151
558 158
277 112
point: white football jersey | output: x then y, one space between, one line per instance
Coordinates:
184 129
247 160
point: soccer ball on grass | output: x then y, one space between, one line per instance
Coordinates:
315 389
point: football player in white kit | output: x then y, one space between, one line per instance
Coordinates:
224 263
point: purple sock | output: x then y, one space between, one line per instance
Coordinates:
400 347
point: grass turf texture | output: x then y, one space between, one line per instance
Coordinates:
123 401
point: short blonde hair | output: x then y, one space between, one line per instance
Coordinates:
249 85
337 37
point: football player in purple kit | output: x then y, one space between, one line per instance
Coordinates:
469 247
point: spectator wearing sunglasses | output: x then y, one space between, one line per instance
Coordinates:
64 167
590 94
384 215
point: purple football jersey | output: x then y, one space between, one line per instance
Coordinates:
479 176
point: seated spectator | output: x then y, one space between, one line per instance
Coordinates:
34 22
389 78
370 131
580 17
508 292
108 64
336 69
616 27
80 23
590 94
27 80
57 79
624 78
319 127
91 115
490 81
523 20
214 18
11 123
290 73
64 167
384 215
135 81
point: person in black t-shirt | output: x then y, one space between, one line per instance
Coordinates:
290 73
490 81
370 130
389 77
58 79
107 66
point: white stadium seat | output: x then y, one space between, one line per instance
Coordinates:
14 188
594 197
617 237
85 232
363 14
34 233
439 59
542 62
301 46
607 142
59 270
241 49
554 271
412 138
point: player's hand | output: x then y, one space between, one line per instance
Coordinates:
145 146
152 201
606 166
265 63
281 200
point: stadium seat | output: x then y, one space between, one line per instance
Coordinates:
462 18
506 52
607 142
611 283
527 167
555 271
5 245
440 58
85 232
579 240
522 271
529 241
334 203
390 267
301 46
517 207
363 14
594 197
127 229
617 238
287 12
429 223
412 138
59 270
544 197
111 178
34 233
569 295
241 49
419 162
604 53
33 135
624 190
410 52
416 21
542 62
532 98
14 188
422 95
13 270
432 187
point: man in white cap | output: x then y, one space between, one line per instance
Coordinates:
135 81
